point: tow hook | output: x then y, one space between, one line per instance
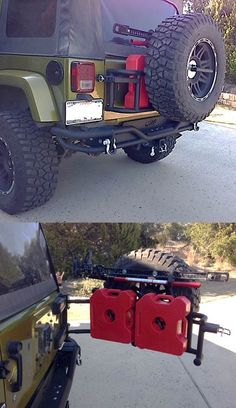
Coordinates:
153 152
79 361
110 146
162 146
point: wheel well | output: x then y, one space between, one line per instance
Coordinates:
12 98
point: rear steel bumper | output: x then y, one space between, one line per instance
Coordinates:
95 140
54 390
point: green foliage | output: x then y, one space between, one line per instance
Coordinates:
9 271
176 231
224 12
231 62
198 6
107 241
154 234
214 241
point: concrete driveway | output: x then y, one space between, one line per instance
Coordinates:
196 182
120 376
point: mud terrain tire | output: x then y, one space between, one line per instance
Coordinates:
28 163
185 67
152 259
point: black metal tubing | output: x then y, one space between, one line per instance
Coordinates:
218 276
85 268
54 390
79 331
121 76
141 135
78 301
204 327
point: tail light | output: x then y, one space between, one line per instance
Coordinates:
82 76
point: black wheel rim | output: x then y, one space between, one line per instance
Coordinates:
6 169
202 69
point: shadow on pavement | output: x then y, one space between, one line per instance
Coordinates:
120 376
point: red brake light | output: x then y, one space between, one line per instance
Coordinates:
82 76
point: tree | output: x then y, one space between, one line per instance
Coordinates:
107 241
214 241
224 13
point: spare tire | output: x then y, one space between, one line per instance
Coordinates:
153 259
185 67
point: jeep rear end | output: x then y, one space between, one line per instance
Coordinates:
37 357
94 77
107 106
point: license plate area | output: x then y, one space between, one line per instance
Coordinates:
78 112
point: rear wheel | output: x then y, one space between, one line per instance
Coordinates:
28 163
152 259
150 153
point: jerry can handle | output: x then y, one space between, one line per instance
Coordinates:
159 298
113 292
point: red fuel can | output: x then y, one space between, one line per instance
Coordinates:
112 315
161 323
136 63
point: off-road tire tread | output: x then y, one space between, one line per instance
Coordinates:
161 76
170 263
39 156
166 262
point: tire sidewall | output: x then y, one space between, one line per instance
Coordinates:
35 162
15 198
166 67
182 91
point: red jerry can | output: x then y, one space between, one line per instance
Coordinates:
112 315
136 63
161 323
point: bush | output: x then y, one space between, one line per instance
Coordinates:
231 63
224 13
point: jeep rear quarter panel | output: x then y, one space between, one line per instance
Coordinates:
27 291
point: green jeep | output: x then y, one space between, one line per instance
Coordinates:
37 357
95 76
37 354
